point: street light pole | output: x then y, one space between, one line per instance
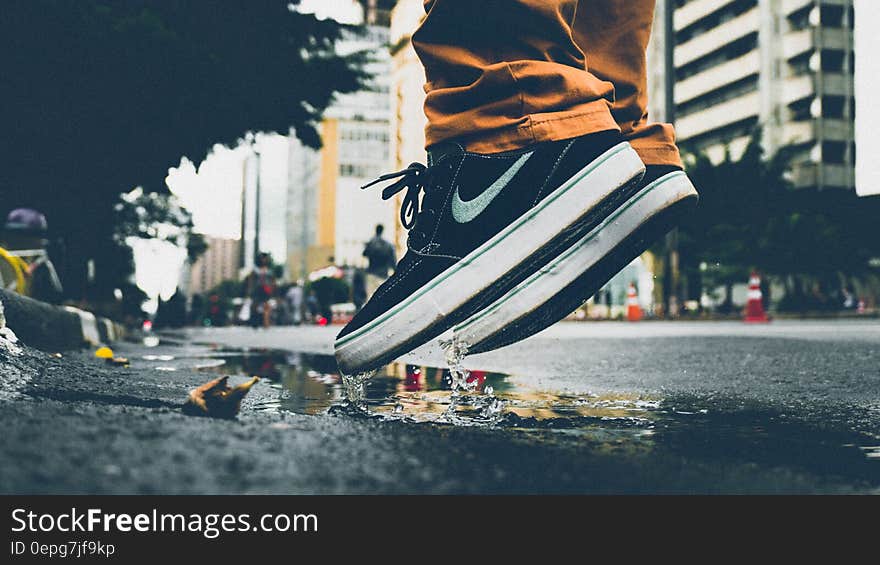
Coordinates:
304 241
257 206
672 272
242 247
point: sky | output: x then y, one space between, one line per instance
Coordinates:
345 11
212 192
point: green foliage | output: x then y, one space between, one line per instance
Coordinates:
156 216
750 217
737 201
133 299
102 96
171 313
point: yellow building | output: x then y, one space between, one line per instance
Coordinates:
330 218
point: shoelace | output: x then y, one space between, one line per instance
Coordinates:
415 178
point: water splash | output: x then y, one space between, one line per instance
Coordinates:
354 388
489 408
455 351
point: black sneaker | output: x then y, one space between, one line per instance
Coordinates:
485 223
569 280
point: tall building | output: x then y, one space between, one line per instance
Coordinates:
219 263
783 65
303 254
329 217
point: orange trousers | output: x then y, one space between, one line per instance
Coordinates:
504 74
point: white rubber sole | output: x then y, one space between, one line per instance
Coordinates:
557 275
396 331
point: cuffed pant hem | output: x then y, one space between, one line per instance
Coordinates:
652 154
589 118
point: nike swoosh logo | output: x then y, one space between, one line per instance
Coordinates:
464 212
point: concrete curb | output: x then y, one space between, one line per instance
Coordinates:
55 328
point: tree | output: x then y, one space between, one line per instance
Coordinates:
727 236
102 96
156 216
751 217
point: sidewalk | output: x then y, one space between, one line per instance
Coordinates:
55 328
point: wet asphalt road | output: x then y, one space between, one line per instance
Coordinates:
695 407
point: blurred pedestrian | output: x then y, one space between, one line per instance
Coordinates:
197 310
381 259
216 315
260 289
359 288
850 302
294 299
25 234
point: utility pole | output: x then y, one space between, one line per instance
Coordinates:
672 274
257 205
304 242
242 246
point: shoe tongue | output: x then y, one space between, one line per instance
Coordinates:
440 150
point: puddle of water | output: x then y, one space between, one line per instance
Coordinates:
685 426
310 384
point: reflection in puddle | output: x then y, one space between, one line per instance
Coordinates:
309 384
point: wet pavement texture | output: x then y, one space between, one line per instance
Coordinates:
582 408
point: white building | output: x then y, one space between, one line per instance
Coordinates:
302 208
786 65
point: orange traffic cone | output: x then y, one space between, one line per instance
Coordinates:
755 306
633 309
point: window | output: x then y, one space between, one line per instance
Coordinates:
831 16
726 53
717 96
832 61
834 152
714 20
833 107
